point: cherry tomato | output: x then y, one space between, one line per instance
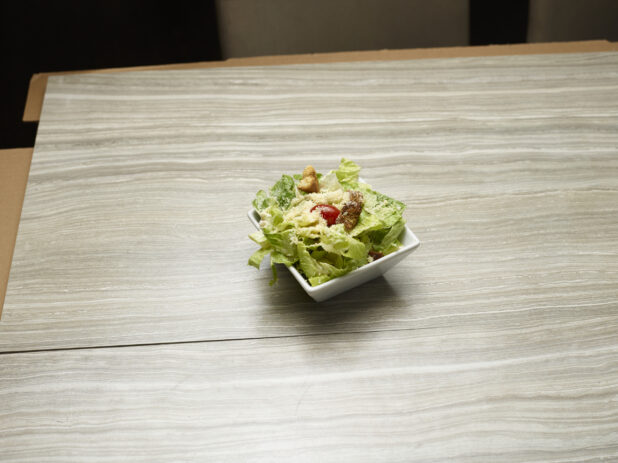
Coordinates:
328 213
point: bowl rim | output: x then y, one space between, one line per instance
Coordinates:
254 218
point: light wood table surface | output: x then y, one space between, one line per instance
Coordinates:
134 330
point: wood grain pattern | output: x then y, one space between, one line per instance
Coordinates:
38 82
134 228
546 393
497 341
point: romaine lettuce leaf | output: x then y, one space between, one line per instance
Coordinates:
256 258
284 191
317 271
367 222
273 268
261 201
259 238
336 240
347 173
330 182
382 239
283 242
387 209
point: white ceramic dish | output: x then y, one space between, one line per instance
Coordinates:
409 242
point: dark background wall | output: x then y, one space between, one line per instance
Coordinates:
61 35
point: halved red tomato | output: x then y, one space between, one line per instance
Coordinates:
328 213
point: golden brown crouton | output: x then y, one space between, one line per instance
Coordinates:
309 182
309 171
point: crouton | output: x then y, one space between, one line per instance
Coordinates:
309 182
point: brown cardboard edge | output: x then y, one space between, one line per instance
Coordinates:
38 82
14 169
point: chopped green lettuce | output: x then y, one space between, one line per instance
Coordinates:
282 241
336 240
318 271
347 174
261 201
256 258
293 235
284 191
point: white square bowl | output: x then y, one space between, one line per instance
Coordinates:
409 242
